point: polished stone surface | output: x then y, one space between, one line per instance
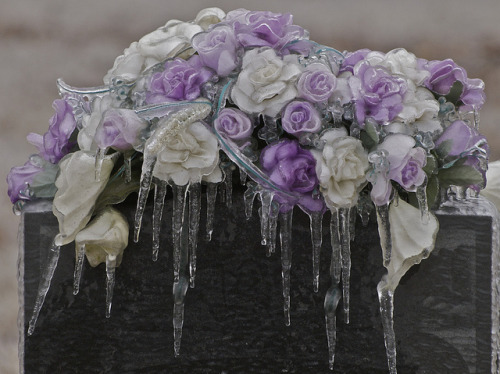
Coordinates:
233 317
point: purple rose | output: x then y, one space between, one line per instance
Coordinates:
19 178
55 144
445 73
119 129
405 163
218 48
264 29
234 124
376 93
292 169
316 83
181 80
299 117
352 58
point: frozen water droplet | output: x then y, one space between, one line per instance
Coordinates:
249 197
177 223
286 259
80 256
159 203
99 159
211 198
44 285
145 184
345 245
386 299
316 226
385 228
332 298
110 282
194 225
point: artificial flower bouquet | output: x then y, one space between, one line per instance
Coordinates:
361 132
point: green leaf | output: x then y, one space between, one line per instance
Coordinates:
371 131
460 175
444 149
432 191
368 142
430 166
43 185
117 190
455 92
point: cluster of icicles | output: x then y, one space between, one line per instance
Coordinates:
185 229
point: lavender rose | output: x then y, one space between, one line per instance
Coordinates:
55 144
445 73
405 163
218 48
181 80
292 168
316 83
299 117
352 58
376 93
119 129
234 124
19 178
264 29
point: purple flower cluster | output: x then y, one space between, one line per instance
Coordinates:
19 179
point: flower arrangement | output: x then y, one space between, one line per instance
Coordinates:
306 126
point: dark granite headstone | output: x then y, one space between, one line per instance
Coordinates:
234 316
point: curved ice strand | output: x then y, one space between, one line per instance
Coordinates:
316 226
145 184
332 298
211 198
194 225
386 299
345 245
79 259
110 282
286 260
159 203
179 202
385 228
44 285
181 285
249 197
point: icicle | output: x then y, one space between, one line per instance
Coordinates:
286 260
181 285
99 158
249 197
211 197
266 198
243 177
332 298
177 222
145 184
228 184
273 223
335 264
352 223
384 226
43 288
386 299
422 202
316 226
194 225
110 282
80 257
160 192
127 161
345 245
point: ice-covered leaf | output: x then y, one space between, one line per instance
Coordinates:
460 175
412 240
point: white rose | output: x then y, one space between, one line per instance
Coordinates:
341 168
188 155
417 103
91 121
209 16
266 82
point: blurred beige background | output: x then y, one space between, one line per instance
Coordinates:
42 40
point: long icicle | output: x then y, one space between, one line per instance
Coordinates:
273 224
181 285
334 293
80 257
249 197
211 198
43 287
345 245
194 225
316 226
286 259
384 227
179 203
266 198
159 203
386 299
110 282
145 184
